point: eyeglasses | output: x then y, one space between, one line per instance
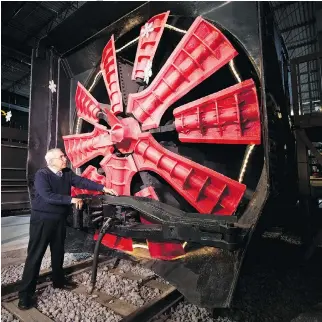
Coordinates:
61 157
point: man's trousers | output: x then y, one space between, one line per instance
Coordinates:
41 234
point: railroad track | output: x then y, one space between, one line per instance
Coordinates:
9 292
128 312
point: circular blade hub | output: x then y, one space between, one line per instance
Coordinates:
125 134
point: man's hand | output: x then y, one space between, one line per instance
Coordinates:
110 191
78 202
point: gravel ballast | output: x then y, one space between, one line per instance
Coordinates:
13 273
66 306
119 287
7 316
185 311
127 266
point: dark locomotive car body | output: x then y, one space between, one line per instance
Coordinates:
206 275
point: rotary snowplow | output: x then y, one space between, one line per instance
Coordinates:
192 139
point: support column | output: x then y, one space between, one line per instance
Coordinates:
49 109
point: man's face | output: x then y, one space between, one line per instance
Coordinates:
59 161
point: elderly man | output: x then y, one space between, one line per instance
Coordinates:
49 208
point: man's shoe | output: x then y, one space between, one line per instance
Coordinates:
26 303
67 285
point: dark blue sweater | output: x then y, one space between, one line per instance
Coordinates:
52 198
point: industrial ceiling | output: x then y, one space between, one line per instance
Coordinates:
297 23
24 24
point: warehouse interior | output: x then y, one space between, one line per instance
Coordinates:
48 48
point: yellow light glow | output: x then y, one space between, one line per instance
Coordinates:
97 77
234 71
127 45
243 170
140 246
182 31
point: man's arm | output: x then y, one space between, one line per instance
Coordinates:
43 188
84 183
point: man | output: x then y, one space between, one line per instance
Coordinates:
49 208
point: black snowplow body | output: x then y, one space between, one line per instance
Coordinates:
208 273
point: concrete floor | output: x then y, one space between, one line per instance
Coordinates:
14 232
15 238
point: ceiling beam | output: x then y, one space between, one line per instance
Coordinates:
13 55
16 51
20 48
303 24
15 67
312 82
15 107
311 92
60 16
302 44
24 31
19 82
312 71
15 59
34 38
16 12
48 9
283 5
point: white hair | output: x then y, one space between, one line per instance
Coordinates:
51 154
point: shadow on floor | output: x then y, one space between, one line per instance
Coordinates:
275 285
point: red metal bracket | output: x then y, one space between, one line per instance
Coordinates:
150 36
81 148
201 52
205 189
165 251
230 116
111 78
119 173
90 173
87 106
